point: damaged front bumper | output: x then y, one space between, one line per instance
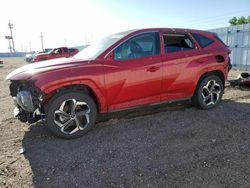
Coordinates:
27 99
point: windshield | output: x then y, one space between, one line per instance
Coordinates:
94 50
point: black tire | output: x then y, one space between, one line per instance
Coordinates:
198 98
62 98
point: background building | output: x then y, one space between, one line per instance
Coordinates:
238 39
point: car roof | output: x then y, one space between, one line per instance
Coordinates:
177 30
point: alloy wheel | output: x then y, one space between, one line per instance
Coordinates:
211 93
72 116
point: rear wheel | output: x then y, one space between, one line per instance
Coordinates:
208 93
71 114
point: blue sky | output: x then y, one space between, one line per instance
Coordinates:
77 22
179 13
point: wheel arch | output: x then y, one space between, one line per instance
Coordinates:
86 87
218 73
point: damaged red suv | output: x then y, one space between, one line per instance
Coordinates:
124 70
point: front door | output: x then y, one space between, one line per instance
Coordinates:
134 75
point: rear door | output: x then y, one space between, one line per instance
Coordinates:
134 75
178 72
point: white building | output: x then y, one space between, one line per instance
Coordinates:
238 39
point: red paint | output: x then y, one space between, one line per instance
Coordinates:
120 84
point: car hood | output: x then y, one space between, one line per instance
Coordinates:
27 71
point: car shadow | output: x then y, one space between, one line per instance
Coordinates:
156 147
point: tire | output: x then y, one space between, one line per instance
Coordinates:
208 93
70 114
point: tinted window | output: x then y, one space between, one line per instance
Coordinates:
202 40
139 46
219 39
65 50
177 42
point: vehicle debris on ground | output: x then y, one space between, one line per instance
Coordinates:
242 80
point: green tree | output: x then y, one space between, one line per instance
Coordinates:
248 19
233 21
241 20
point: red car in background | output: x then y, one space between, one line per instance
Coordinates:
56 53
124 70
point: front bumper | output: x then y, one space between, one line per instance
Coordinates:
24 112
27 100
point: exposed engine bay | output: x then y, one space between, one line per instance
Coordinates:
27 100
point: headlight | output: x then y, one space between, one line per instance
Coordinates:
24 100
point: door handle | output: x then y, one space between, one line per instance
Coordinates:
153 69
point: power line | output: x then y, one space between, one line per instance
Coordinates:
222 18
212 21
220 15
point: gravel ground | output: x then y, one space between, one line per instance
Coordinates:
166 146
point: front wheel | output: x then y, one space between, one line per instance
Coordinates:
208 93
71 114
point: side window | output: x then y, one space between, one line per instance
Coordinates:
177 42
65 50
202 40
143 45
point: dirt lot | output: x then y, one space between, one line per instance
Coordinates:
167 146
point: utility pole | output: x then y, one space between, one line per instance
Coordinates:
30 45
42 40
11 34
10 46
9 39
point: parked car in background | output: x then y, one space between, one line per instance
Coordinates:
124 70
56 53
30 57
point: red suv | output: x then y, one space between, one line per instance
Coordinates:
124 70
56 53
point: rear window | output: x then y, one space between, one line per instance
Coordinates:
202 40
65 50
219 39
